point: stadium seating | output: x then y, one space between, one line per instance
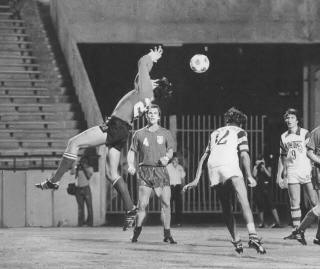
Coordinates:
37 111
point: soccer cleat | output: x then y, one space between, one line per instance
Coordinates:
45 185
169 239
255 242
316 241
297 235
130 218
238 246
275 225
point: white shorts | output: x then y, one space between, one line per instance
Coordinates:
220 174
295 178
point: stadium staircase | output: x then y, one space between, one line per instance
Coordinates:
38 108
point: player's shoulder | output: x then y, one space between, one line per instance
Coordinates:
143 130
164 130
284 135
303 131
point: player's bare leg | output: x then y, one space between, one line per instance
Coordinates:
223 192
89 138
316 240
165 196
112 165
311 193
144 196
241 190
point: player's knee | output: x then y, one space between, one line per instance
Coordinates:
142 206
316 210
72 145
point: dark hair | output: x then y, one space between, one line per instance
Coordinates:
164 89
291 111
155 106
235 116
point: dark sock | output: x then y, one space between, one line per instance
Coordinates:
318 231
308 220
166 233
122 189
137 230
64 165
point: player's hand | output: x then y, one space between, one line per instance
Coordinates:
284 173
252 182
283 183
131 170
154 83
164 160
190 186
156 53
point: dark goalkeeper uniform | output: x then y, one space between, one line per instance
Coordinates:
132 105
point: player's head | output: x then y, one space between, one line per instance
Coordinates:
163 89
291 118
235 116
153 114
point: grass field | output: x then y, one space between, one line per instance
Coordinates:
110 247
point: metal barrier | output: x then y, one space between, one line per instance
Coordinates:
192 134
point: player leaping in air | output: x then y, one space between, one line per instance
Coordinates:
225 145
115 131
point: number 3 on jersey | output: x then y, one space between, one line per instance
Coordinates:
222 139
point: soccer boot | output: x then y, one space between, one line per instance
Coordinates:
136 233
130 218
255 242
169 239
45 185
316 241
238 246
297 235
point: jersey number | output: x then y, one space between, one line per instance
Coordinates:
222 140
293 154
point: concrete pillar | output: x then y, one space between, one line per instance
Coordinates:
311 95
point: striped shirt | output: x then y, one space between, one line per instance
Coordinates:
293 147
225 144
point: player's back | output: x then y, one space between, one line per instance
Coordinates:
224 145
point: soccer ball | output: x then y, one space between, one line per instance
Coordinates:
199 63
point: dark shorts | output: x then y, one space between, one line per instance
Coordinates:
117 132
153 176
315 177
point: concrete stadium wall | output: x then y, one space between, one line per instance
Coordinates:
189 21
23 205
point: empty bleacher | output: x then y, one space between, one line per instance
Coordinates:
37 116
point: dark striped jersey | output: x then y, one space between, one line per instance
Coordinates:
151 146
134 103
225 144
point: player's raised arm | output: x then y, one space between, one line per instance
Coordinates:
143 82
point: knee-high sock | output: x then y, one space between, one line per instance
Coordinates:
318 231
166 217
308 220
64 165
296 216
122 189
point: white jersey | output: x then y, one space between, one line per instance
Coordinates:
293 147
225 144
